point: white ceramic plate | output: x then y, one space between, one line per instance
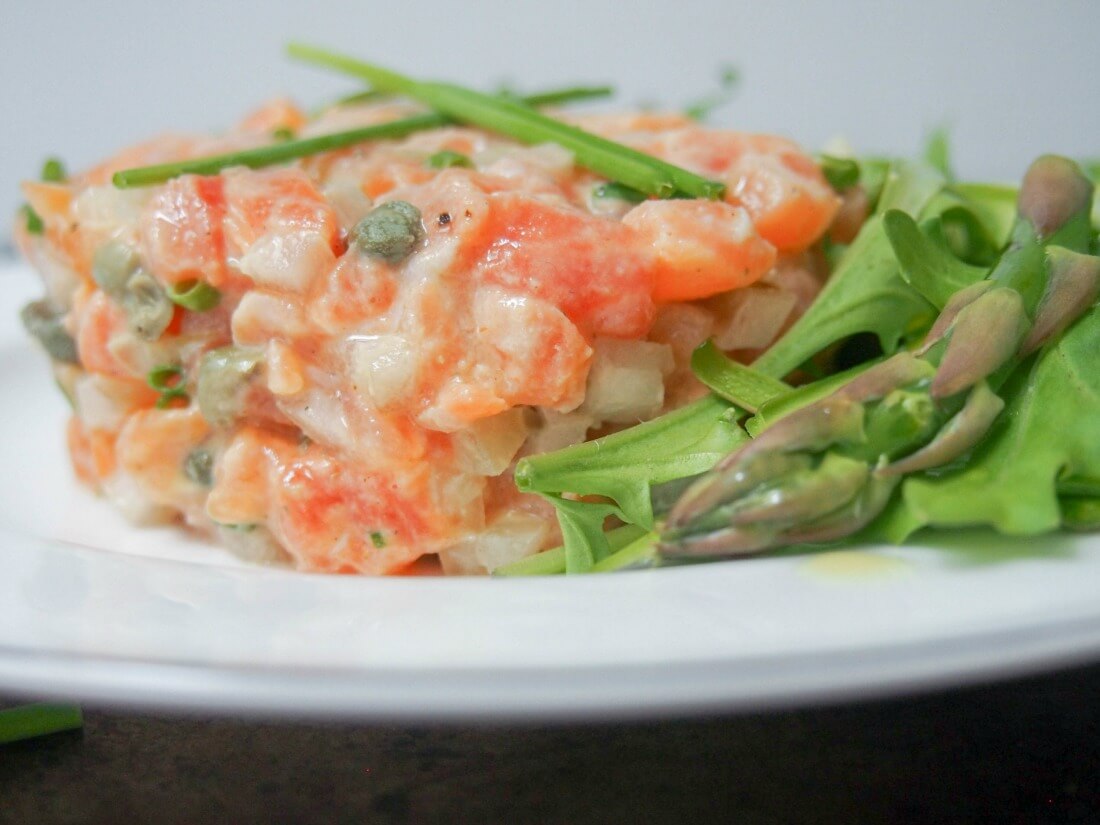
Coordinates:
94 609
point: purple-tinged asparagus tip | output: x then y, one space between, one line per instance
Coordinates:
1053 191
1072 288
965 429
955 304
984 336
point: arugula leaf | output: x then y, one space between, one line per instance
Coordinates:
873 173
735 382
582 531
1050 430
866 293
937 152
1092 169
1079 513
991 203
927 263
552 562
842 173
622 466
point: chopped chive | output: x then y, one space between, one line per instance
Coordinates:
168 380
283 134
842 173
612 160
34 223
53 171
618 191
377 539
195 295
262 156
447 158
39 719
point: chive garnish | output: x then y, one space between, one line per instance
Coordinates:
53 171
517 120
272 154
377 539
282 134
447 158
275 153
197 296
365 96
168 380
618 191
572 94
39 719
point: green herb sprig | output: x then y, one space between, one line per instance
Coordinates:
518 120
284 151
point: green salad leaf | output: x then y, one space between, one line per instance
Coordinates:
927 263
621 469
1048 433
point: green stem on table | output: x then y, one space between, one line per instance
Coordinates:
40 719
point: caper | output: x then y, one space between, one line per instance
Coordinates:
112 266
147 306
199 467
43 322
224 375
390 231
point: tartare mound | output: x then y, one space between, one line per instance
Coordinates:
337 361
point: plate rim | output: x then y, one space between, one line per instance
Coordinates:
746 683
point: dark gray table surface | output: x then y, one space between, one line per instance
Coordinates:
1025 751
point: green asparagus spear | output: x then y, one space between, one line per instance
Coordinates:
826 470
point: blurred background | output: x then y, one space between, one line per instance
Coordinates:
1009 79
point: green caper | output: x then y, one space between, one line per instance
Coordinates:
43 322
224 375
199 467
112 267
147 306
390 231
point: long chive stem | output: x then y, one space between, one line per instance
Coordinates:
272 154
40 719
572 94
612 160
288 150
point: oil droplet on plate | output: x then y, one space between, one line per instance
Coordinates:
854 564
